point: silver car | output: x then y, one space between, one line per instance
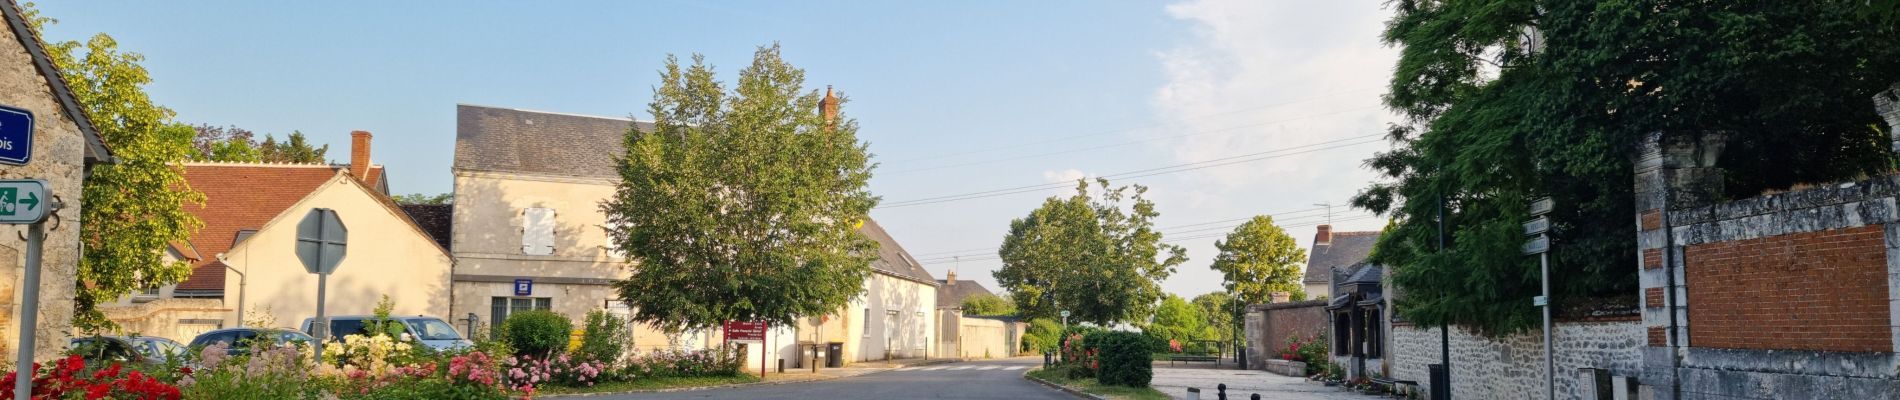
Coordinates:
430 331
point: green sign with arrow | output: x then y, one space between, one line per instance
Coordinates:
23 201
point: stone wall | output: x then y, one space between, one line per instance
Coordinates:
175 319
1269 325
1512 367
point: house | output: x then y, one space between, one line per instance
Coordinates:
65 146
247 247
1334 250
971 336
527 234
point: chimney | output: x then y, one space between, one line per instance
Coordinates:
359 155
951 278
1282 297
1325 236
829 106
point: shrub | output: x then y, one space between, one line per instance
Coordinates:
277 372
69 378
1123 358
537 333
1042 336
604 338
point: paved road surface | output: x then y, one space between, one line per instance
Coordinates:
991 379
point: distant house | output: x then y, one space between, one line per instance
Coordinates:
969 336
1358 313
247 256
1334 250
65 146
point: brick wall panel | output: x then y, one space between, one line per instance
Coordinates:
1824 291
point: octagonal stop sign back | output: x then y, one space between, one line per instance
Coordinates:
320 241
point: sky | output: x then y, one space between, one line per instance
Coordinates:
1224 109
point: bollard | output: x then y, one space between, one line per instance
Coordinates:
1222 395
1194 394
1256 396
781 365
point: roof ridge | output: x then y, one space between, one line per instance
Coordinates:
216 163
552 112
1357 233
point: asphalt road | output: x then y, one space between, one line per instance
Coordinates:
993 379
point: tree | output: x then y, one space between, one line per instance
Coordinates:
296 150
1222 313
1177 320
741 205
419 198
134 207
1494 121
1089 255
231 144
1259 258
988 304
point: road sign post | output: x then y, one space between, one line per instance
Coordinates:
1539 244
321 241
27 201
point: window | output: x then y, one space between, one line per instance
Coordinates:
501 307
867 322
537 231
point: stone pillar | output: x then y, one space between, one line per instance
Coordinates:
1887 104
1673 172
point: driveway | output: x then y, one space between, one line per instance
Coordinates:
989 379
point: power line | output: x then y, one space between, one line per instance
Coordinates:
981 256
1145 140
1098 133
1164 231
1184 167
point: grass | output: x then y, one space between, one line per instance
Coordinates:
1092 387
650 384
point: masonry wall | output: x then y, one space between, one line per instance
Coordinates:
58 157
1269 326
1513 367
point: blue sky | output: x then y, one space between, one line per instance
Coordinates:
953 97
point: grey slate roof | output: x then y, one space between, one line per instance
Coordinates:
892 259
1347 248
952 296
435 219
536 142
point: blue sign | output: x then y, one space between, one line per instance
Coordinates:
16 136
524 287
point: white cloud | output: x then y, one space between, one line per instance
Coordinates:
1268 75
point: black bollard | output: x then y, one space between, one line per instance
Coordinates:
1222 395
1256 396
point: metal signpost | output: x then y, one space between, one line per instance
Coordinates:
26 201
1539 244
321 238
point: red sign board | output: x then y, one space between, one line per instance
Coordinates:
741 331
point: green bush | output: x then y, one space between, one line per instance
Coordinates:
1042 336
604 338
1123 356
537 333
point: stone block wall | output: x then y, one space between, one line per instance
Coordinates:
1513 367
1269 325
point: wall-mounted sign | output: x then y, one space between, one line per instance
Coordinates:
524 287
16 136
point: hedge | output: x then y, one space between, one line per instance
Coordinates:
1123 356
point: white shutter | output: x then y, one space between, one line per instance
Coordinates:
537 231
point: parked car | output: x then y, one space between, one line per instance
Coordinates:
97 350
241 339
430 331
157 348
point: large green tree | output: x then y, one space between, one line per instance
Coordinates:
1259 258
295 150
1510 100
1222 313
1176 319
740 204
1088 254
133 208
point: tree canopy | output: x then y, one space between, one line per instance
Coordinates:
133 208
1176 319
1088 254
1508 101
419 198
1222 313
234 144
740 204
1259 258
988 305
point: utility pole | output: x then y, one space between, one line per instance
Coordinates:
1444 331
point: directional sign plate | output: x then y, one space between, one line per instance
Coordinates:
23 201
1537 226
1542 206
16 136
1540 301
321 238
1537 245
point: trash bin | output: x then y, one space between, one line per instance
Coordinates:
834 353
1440 380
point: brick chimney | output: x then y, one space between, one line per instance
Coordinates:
950 279
359 155
829 106
1324 237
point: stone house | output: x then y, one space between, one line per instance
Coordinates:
65 145
247 246
1333 250
1357 311
527 233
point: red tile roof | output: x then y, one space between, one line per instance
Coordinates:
242 196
